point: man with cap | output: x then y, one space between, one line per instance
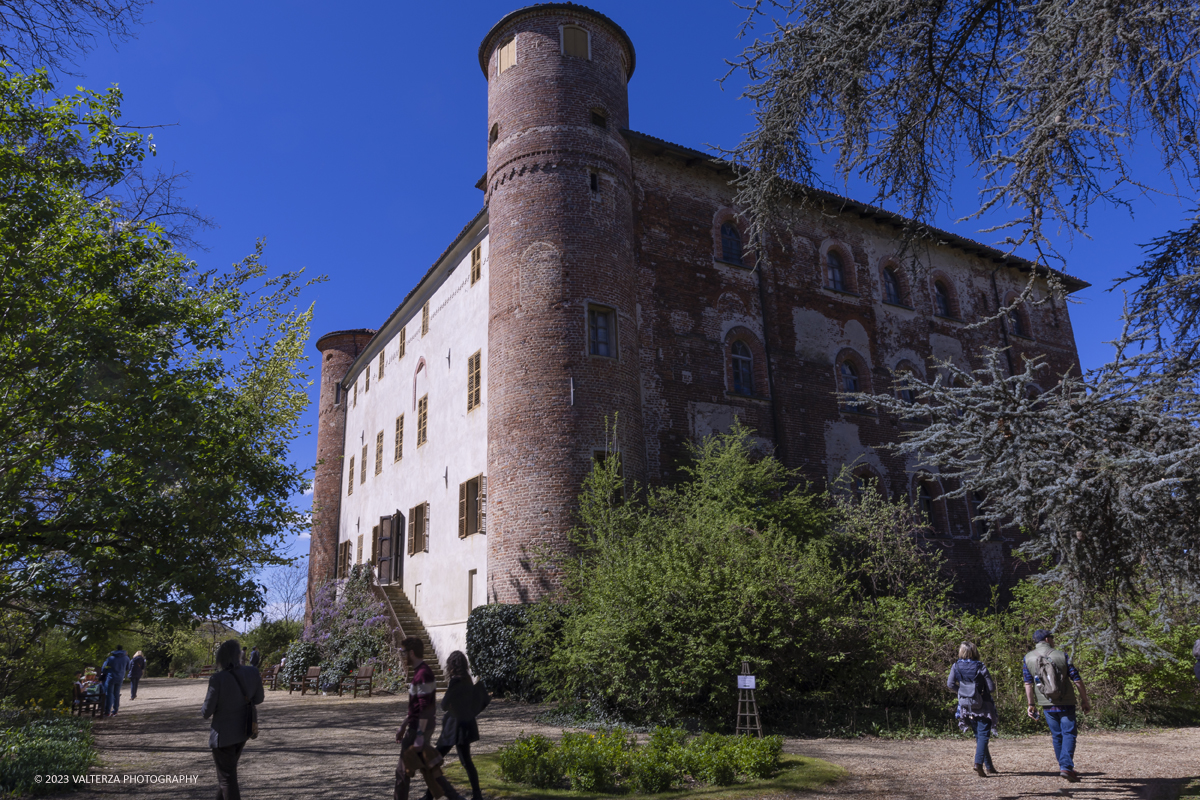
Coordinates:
1045 660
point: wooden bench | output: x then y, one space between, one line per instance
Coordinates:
364 678
81 701
312 679
207 671
270 677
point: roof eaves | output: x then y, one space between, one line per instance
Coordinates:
692 156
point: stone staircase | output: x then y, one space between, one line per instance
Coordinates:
410 623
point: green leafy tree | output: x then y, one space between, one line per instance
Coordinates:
146 406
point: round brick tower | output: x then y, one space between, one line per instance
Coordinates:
562 336
338 351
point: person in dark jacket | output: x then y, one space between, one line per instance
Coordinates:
231 692
1196 655
116 666
976 707
461 703
255 657
137 666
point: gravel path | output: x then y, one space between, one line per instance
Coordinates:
330 747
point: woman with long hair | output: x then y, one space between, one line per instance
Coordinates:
461 703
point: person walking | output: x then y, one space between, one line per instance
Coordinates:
233 691
976 710
416 751
1196 655
255 657
1051 682
116 667
137 666
461 704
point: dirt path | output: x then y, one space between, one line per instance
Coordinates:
326 747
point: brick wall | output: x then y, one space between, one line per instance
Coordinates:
556 246
337 350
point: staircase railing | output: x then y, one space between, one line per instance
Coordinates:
398 634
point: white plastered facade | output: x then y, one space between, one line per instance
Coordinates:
437 582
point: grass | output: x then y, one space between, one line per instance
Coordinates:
798 774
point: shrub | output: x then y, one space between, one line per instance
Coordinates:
595 762
757 758
651 772
37 743
300 656
532 760
494 647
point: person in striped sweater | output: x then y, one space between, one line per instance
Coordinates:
415 735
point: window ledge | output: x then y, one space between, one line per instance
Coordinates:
845 292
756 398
738 264
957 320
613 359
857 413
898 305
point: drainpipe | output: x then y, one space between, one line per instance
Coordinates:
762 301
1003 325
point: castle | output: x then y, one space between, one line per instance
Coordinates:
609 275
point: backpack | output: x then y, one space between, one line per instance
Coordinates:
1048 678
970 698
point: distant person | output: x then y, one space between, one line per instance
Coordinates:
1196 655
232 692
1051 681
416 751
255 657
137 666
115 668
976 707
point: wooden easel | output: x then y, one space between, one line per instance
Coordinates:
747 718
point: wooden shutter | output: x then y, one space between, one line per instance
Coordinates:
379 452
380 364
425 529
400 353
475 261
412 531
462 511
425 319
399 437
367 385
373 559
483 503
508 55
575 42
362 468
350 485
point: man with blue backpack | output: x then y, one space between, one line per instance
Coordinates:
1051 682
116 666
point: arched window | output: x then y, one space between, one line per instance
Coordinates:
941 300
905 391
891 287
494 134
849 377
979 524
835 271
743 369
925 504
731 243
1016 323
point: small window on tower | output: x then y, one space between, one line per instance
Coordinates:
575 42
508 55
731 243
599 120
602 332
494 134
595 182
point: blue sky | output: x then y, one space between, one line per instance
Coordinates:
350 136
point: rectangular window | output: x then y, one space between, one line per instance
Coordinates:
508 55
379 452
363 467
380 366
337 393
400 353
473 593
422 419
425 319
399 438
575 41
473 380
602 332
350 485
343 559
358 560
476 264
367 385
418 529
471 506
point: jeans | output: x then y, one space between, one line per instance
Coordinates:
983 731
226 759
112 696
133 688
1062 734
